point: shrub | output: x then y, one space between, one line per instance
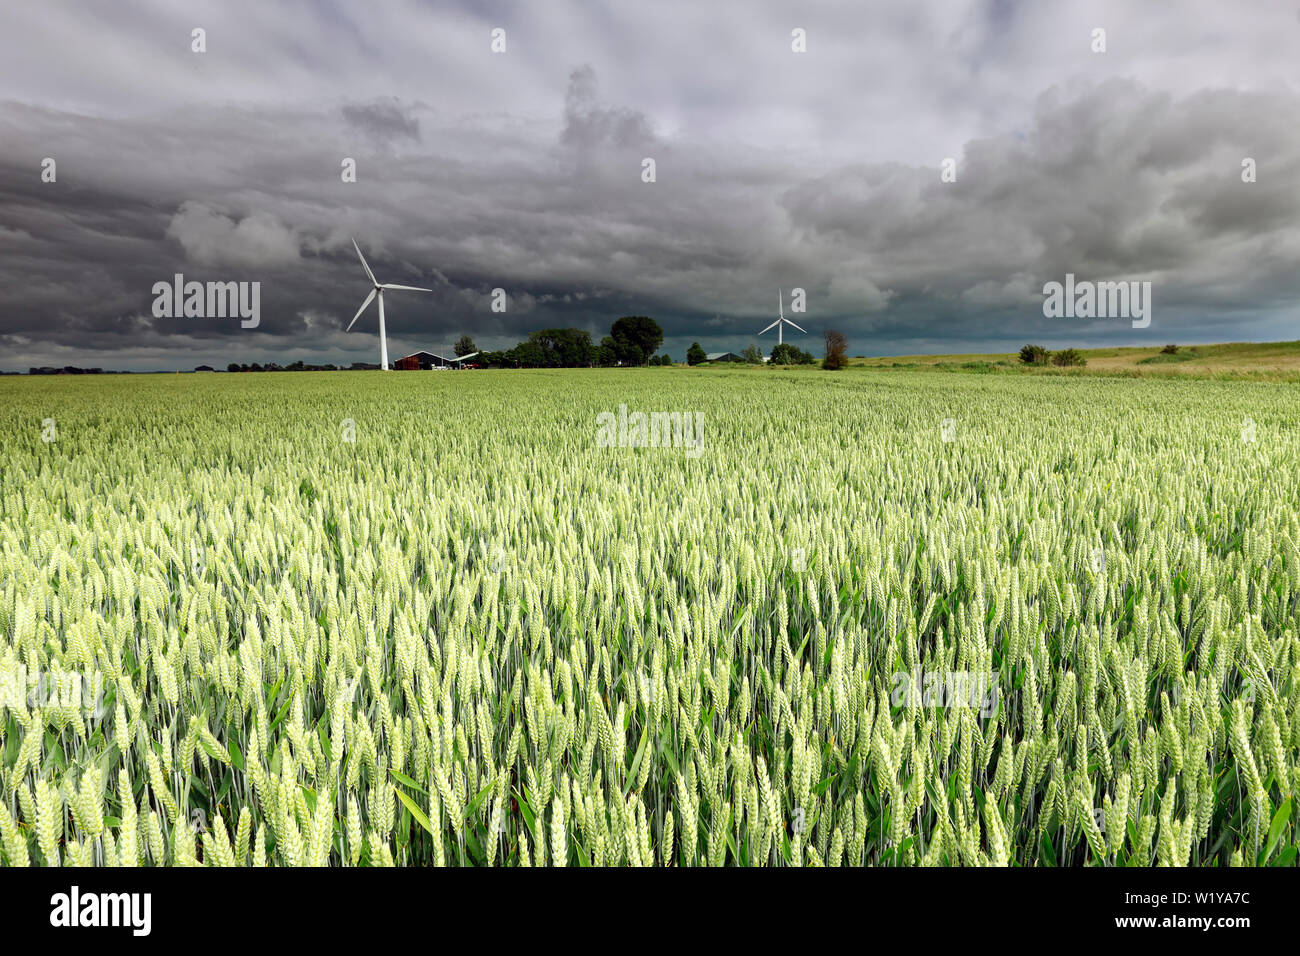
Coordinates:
1170 349
1034 355
1165 357
1069 357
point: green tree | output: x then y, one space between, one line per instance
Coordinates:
527 355
607 353
787 354
695 355
564 348
636 337
464 346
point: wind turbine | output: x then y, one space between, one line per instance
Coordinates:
378 290
782 321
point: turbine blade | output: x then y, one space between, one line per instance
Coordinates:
364 264
360 310
408 288
804 331
780 303
772 326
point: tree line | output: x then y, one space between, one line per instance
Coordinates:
632 340
784 353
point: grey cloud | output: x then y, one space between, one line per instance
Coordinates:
211 238
1075 193
587 123
384 119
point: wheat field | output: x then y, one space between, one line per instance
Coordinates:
891 618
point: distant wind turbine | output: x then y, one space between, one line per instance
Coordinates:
379 289
782 321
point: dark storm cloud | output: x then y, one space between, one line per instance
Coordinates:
523 171
1078 192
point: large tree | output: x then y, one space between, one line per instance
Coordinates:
695 355
527 355
607 353
464 346
565 348
636 337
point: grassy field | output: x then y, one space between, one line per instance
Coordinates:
884 617
1265 361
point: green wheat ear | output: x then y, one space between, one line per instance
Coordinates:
15 844
49 821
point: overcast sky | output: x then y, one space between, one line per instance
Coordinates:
523 170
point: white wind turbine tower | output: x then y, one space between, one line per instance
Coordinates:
782 321
378 290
